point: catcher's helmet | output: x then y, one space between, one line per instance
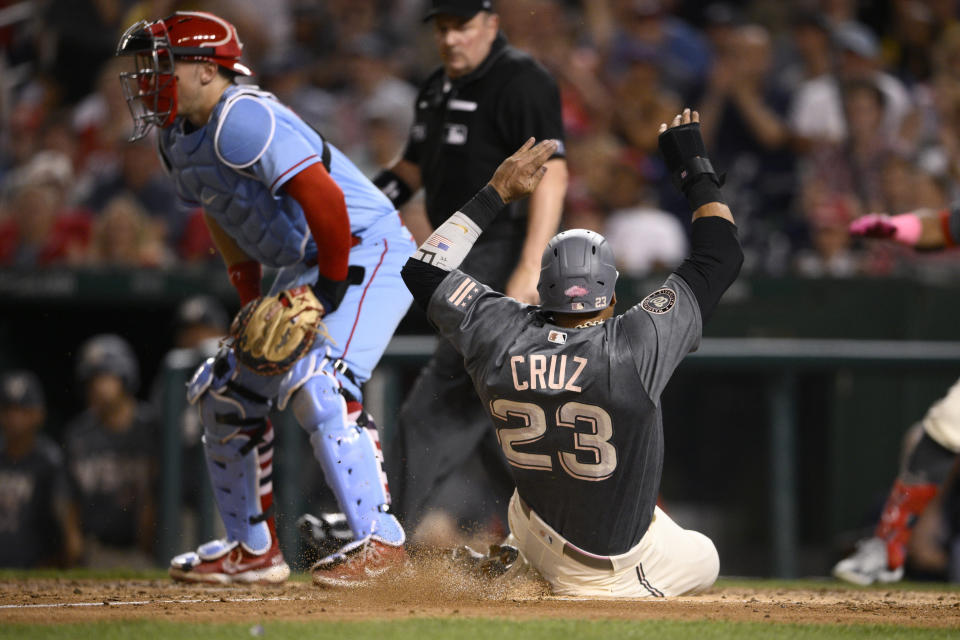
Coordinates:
151 88
108 353
577 273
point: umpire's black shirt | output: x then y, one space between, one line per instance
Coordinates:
465 127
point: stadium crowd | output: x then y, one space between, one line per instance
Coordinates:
822 110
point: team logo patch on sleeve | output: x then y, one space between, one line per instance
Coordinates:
660 301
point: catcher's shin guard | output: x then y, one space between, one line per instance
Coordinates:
350 458
238 446
904 505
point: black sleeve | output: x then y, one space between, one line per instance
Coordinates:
422 280
714 262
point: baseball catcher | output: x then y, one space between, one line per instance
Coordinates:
573 389
275 193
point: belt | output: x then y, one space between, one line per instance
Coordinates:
570 551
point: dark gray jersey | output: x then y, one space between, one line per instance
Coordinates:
577 411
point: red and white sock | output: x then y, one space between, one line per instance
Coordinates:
904 505
265 462
354 411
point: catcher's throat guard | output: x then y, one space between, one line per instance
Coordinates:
271 334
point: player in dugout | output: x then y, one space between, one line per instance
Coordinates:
275 193
928 459
574 390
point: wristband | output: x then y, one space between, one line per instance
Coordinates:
483 207
690 169
393 187
245 277
703 190
907 228
331 292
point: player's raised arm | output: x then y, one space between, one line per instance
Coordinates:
920 229
715 255
446 248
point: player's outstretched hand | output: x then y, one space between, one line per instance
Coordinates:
873 225
519 175
686 117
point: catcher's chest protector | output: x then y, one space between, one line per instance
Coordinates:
271 230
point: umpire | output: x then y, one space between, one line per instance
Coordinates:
473 112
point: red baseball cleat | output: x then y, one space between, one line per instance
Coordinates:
223 562
358 562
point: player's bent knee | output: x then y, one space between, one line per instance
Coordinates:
704 563
942 421
319 406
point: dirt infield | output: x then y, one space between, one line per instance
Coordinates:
427 592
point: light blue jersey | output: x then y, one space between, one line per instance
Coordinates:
235 165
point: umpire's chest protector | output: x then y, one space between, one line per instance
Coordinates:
269 228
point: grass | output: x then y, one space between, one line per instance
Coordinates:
481 629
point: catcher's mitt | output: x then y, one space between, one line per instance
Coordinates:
270 334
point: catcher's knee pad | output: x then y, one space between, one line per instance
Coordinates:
213 373
350 458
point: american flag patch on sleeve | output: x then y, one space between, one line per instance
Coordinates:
438 241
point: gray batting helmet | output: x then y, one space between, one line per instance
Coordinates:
577 273
108 353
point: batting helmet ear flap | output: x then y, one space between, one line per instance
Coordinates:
577 273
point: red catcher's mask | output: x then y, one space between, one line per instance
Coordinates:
151 88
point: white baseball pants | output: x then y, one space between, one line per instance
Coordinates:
668 560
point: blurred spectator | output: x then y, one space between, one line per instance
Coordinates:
36 526
590 158
111 455
124 236
829 216
744 108
102 122
374 101
646 239
80 35
856 166
910 48
618 26
200 320
641 102
289 77
817 113
138 175
38 228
